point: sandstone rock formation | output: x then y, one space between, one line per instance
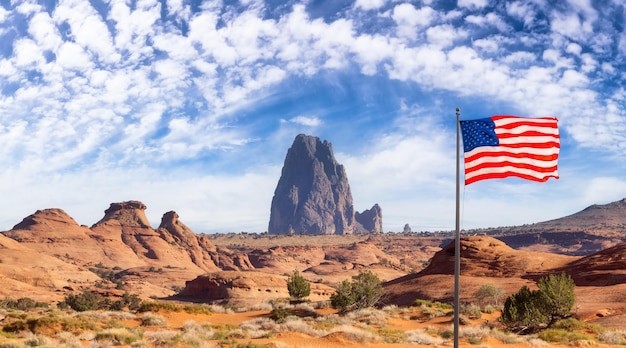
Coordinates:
124 240
313 194
28 272
406 229
370 220
484 260
245 288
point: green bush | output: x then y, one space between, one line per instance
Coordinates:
87 301
298 286
528 311
364 291
22 303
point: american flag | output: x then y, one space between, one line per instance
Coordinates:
503 146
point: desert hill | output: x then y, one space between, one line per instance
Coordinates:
590 230
48 255
484 260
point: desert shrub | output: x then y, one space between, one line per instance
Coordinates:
505 337
11 345
573 324
471 311
432 308
529 310
163 338
370 316
33 340
86 301
488 294
151 319
613 337
392 335
564 337
480 332
118 336
22 303
298 286
197 308
355 334
489 309
422 338
155 306
364 291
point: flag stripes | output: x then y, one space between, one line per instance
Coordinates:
505 146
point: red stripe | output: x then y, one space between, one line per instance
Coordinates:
546 145
527 134
512 164
525 119
514 155
508 174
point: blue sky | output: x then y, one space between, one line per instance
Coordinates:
191 106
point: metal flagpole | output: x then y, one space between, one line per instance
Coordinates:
457 241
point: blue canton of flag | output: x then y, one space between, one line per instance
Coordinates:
480 132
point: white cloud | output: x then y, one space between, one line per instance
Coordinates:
444 35
369 4
71 56
490 19
132 28
309 121
86 24
410 20
27 54
44 32
473 4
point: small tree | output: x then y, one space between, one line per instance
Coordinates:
298 286
531 310
559 295
364 291
342 299
488 294
524 310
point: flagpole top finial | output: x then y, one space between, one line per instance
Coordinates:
458 109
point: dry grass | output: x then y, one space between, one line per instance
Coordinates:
387 327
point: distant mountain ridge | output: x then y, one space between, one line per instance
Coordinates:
596 227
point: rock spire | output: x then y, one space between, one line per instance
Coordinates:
313 194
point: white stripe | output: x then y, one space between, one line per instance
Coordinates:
530 172
527 128
515 119
497 159
532 140
528 150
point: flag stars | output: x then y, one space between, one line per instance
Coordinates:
478 133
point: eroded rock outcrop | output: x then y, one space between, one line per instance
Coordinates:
124 240
313 194
245 288
199 248
370 220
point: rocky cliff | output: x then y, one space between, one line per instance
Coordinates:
370 220
313 194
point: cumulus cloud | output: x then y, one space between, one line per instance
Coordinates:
148 85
